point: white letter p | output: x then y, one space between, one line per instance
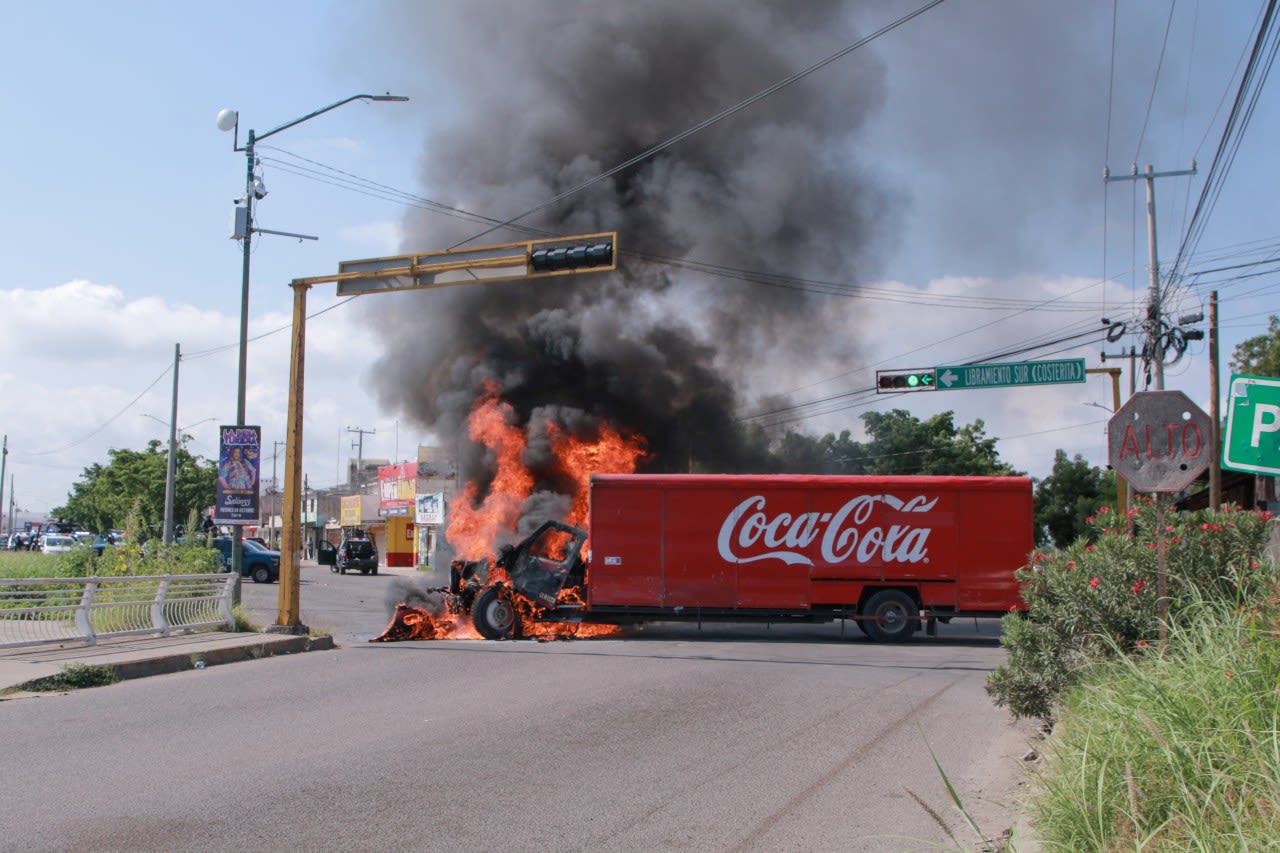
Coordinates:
1266 418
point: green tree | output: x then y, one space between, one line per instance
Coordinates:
903 444
797 453
134 480
1066 499
1259 356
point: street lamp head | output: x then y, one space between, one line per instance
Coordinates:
388 97
227 119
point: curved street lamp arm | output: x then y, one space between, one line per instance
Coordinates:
388 97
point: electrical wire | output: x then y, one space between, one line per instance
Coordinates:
108 421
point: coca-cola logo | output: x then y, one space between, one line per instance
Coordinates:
843 535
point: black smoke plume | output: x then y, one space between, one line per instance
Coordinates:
557 93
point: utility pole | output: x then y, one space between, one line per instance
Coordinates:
306 490
359 445
1124 491
171 467
1215 429
1153 350
4 463
275 492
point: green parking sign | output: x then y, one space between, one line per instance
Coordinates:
1252 438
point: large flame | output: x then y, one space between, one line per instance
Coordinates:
476 524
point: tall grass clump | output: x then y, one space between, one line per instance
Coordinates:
1096 599
1172 749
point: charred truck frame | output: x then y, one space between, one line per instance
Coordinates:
887 552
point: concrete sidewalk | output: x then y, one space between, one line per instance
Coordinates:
137 657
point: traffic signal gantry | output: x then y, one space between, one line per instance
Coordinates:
528 259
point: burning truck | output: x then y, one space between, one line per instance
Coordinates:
890 553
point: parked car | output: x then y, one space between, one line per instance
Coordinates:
257 562
57 543
356 554
92 540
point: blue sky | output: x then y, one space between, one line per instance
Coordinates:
989 136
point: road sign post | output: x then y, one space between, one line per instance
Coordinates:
1251 441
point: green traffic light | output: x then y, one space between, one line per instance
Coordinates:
913 380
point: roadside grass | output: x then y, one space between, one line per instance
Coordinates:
1172 750
26 564
244 625
73 677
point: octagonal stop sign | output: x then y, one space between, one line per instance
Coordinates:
1159 441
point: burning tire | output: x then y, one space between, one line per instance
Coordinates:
493 614
890 616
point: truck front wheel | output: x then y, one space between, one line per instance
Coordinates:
890 616
261 574
493 615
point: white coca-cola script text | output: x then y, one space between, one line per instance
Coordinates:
843 535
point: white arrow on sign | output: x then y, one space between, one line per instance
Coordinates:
947 378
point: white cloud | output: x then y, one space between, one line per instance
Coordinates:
84 368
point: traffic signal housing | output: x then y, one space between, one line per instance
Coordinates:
572 257
894 381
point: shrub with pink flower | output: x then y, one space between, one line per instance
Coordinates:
1096 598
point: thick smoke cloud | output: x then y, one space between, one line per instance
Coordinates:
557 93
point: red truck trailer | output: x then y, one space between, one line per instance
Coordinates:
887 552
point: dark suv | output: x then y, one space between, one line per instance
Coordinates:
356 554
259 563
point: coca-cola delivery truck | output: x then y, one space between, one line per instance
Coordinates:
887 552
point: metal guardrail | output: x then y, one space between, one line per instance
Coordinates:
50 610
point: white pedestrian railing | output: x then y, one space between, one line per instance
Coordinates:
49 610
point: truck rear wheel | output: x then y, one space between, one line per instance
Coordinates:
493 615
890 616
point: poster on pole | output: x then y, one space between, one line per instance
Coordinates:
429 509
239 457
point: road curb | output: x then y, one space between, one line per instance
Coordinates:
196 653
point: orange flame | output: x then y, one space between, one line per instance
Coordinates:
415 623
611 453
474 528
475 525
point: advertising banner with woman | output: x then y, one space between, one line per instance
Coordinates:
236 499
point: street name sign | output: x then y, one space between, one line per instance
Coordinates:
1252 438
956 376
1158 441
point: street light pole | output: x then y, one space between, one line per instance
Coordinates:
230 120
171 466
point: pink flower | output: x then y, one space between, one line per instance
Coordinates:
1088 549
1094 583
1071 564
1139 585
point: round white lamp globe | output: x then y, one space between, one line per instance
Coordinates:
227 119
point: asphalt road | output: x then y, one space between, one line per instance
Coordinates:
352 607
733 738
